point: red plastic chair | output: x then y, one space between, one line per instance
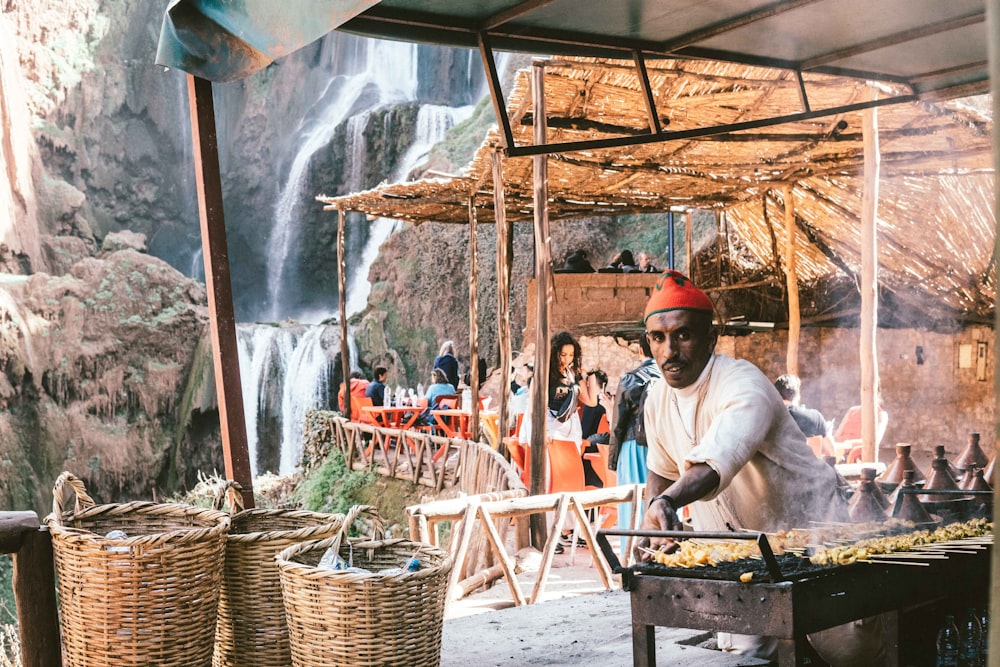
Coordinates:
565 466
604 426
363 416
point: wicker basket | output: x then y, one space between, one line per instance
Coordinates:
252 631
348 619
149 598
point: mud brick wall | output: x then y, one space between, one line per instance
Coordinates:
587 298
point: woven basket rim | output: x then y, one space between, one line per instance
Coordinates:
284 558
216 521
290 534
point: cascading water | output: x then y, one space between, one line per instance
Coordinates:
433 122
392 83
287 370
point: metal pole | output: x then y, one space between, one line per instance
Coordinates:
670 240
222 321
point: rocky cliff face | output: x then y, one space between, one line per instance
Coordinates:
99 375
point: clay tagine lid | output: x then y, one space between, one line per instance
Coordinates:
956 473
841 482
863 506
975 480
894 474
973 454
909 507
939 480
868 475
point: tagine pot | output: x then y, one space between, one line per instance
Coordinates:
894 474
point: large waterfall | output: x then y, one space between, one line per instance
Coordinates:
287 370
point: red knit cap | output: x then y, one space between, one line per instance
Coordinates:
675 291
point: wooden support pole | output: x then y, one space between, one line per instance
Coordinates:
993 50
869 287
222 320
504 260
543 280
35 597
474 317
345 349
791 277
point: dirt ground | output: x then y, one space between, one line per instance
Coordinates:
576 622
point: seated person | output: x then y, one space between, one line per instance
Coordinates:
439 387
810 421
576 262
358 386
646 263
848 432
520 389
623 262
376 388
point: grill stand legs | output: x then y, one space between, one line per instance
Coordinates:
643 645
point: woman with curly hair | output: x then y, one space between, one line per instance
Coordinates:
568 386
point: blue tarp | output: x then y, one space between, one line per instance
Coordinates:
223 40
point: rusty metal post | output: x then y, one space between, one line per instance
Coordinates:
222 320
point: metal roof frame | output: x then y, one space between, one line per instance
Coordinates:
545 27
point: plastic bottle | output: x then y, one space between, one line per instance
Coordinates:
420 389
971 636
984 636
466 400
947 643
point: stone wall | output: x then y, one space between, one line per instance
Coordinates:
581 299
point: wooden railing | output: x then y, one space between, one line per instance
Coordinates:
34 587
479 541
418 457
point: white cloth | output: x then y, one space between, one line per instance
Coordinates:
518 401
554 429
769 477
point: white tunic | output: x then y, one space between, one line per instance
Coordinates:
769 477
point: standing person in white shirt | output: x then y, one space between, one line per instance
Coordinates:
721 442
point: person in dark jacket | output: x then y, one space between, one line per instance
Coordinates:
646 263
448 362
623 262
576 262
376 388
811 422
627 456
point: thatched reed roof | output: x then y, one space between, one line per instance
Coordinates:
935 226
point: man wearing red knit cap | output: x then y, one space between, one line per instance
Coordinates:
722 443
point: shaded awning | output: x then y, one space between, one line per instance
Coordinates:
935 217
931 47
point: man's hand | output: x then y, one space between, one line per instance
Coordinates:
660 515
